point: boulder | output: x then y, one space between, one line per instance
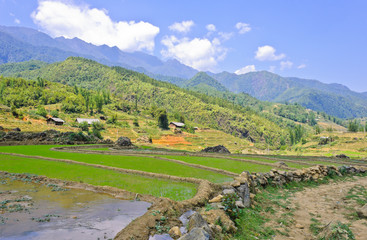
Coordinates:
197 221
215 216
216 199
342 156
123 142
175 232
16 129
196 234
229 191
1 128
216 149
244 193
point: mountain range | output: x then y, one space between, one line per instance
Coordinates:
18 44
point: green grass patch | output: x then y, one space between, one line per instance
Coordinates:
225 164
99 177
141 163
98 149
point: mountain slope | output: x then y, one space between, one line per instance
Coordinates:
137 61
149 93
203 81
333 99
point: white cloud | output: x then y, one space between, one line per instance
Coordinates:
199 53
93 25
225 35
285 64
302 66
183 27
267 53
272 68
246 69
211 28
243 27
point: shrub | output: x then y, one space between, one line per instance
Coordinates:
83 126
54 113
136 122
230 207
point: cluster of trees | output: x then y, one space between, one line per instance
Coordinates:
296 113
18 92
356 126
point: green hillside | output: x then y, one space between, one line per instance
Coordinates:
145 94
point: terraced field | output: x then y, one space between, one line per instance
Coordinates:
175 175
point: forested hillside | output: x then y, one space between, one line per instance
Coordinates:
143 93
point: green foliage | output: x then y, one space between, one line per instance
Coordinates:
41 111
54 113
84 126
136 122
317 129
353 126
112 119
162 119
230 207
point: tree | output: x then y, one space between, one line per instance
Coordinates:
353 126
41 111
162 119
317 129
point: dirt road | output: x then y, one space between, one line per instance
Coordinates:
326 204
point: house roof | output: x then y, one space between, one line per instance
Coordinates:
88 120
178 124
56 119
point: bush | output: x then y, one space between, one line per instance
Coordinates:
136 122
41 111
229 203
84 126
97 126
54 113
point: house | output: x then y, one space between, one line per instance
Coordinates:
176 125
90 121
55 121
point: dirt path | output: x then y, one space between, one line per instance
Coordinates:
326 203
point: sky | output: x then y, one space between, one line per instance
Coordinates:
324 40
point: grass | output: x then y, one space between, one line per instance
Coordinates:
225 164
127 162
99 177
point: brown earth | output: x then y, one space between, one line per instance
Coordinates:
327 204
171 140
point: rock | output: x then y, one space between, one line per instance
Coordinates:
1 128
236 183
123 142
196 234
217 215
342 156
175 232
161 237
229 191
300 226
362 212
244 193
281 164
216 199
144 139
216 149
239 204
197 221
185 217
16 129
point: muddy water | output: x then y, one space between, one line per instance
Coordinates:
34 211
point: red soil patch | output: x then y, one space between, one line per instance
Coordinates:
171 140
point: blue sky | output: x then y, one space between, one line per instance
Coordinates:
323 40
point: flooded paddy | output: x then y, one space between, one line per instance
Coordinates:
35 211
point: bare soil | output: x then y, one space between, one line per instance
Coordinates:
327 204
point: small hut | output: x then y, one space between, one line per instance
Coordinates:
175 125
55 121
90 121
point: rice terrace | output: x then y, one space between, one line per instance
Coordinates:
183 120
